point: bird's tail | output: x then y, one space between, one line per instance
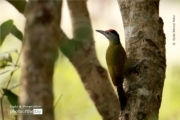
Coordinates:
122 96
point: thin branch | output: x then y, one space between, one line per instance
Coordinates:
1 99
4 72
2 113
10 51
14 86
16 64
57 101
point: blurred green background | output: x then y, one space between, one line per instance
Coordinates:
75 103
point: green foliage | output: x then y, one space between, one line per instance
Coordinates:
8 27
18 4
4 59
5 30
12 98
17 33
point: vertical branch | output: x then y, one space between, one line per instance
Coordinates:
93 75
145 39
81 22
81 52
40 52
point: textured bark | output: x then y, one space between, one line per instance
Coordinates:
81 52
145 39
40 50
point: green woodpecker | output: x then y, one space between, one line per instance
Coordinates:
117 63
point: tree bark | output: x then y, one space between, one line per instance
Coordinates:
81 52
40 50
145 39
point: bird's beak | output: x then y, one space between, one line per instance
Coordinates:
101 31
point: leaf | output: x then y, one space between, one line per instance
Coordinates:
5 29
12 98
4 59
17 33
18 4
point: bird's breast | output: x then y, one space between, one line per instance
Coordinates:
113 55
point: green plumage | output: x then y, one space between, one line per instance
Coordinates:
115 59
117 63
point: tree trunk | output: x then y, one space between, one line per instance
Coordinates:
145 39
81 52
40 50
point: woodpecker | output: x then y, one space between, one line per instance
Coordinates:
117 63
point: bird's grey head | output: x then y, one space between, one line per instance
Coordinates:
111 35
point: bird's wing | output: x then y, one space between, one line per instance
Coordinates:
116 69
112 75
